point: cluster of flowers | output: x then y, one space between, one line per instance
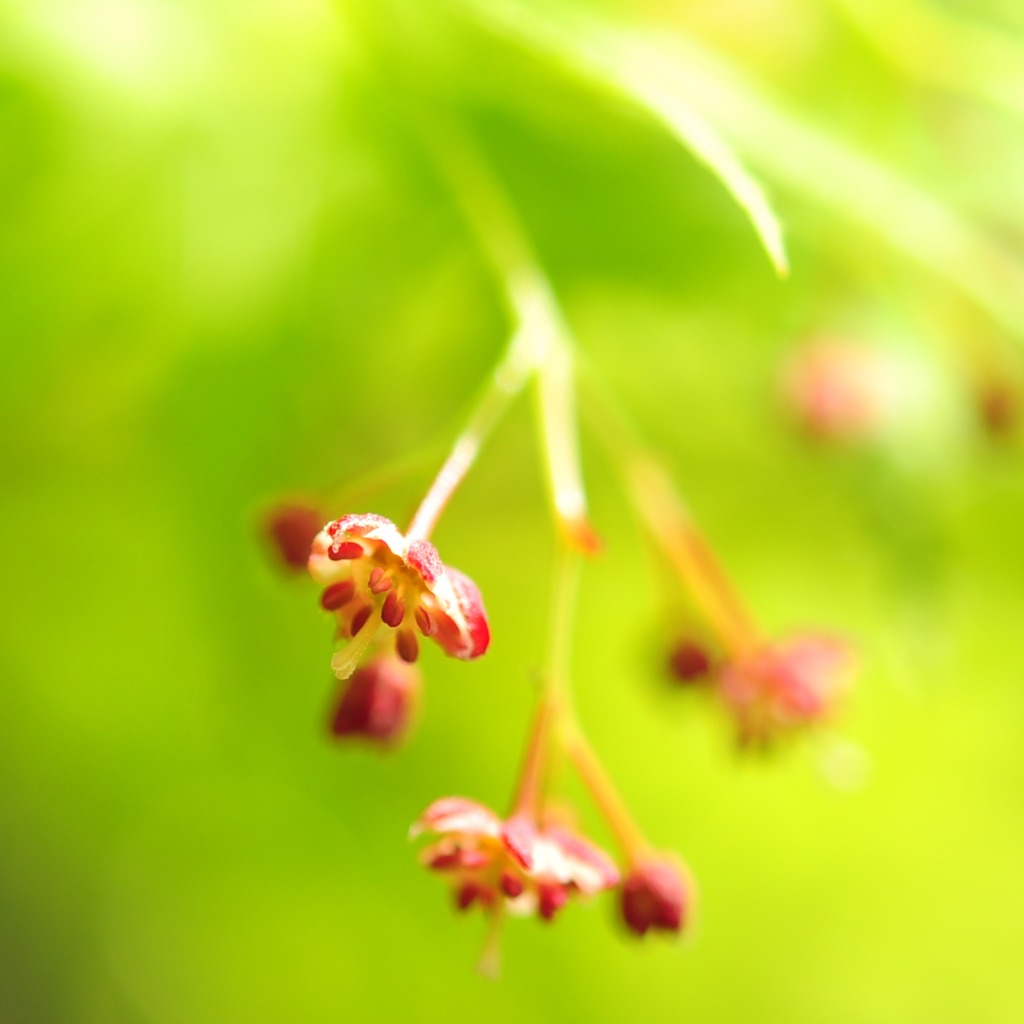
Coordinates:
774 687
388 591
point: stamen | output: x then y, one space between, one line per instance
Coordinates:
511 885
346 550
393 611
378 582
551 899
471 860
467 895
337 594
407 646
359 619
428 627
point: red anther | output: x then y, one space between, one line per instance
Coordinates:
407 646
359 619
428 627
511 885
467 895
337 594
445 861
378 582
347 549
551 899
393 611
467 860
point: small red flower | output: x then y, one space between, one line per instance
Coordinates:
488 860
375 577
291 529
377 702
656 894
779 687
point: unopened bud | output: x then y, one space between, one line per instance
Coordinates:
377 701
291 529
689 662
655 894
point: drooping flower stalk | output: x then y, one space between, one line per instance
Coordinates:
659 507
559 430
507 380
607 798
542 342
658 504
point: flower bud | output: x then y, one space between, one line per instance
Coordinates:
689 662
291 529
655 894
377 702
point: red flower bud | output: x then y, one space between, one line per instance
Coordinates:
655 894
377 702
291 529
689 662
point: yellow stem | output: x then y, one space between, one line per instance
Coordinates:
606 796
657 504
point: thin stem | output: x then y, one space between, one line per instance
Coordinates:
606 796
666 518
658 505
538 754
563 607
541 341
559 425
507 380
554 702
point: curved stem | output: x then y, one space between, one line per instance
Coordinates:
541 341
507 380
557 406
668 522
606 796
657 504
554 702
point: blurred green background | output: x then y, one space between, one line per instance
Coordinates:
232 274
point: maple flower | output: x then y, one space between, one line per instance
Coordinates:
375 576
655 894
489 860
376 703
781 686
